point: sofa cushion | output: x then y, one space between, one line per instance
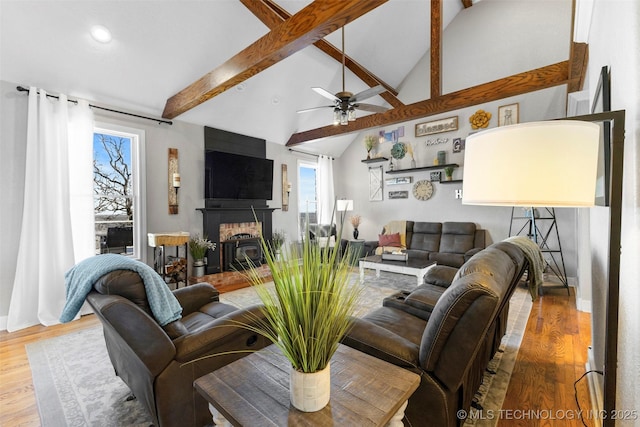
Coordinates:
389 240
449 259
426 236
440 275
127 284
457 237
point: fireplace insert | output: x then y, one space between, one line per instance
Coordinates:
238 250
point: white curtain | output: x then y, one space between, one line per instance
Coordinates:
326 197
58 168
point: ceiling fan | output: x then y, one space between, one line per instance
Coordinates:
346 103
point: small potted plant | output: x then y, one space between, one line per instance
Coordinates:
355 222
198 247
369 143
448 172
277 240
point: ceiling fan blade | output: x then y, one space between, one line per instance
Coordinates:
368 93
326 93
370 107
306 110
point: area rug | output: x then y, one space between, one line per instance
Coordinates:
75 383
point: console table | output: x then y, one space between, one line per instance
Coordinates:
176 271
254 391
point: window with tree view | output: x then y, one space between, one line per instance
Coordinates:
116 187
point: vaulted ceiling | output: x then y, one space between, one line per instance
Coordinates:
245 66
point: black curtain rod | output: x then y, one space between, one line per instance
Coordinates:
160 121
308 154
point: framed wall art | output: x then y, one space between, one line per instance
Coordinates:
375 184
434 176
437 126
508 114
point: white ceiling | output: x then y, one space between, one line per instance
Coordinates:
160 47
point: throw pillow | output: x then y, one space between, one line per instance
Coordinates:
389 240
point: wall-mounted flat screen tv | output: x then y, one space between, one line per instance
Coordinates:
237 177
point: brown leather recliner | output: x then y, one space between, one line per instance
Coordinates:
160 364
450 346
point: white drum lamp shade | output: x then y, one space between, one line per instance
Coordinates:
344 205
550 164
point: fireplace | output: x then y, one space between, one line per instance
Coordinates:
214 217
240 251
240 245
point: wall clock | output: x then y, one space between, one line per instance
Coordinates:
423 190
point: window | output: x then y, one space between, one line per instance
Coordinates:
307 194
119 190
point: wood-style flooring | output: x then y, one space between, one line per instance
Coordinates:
552 356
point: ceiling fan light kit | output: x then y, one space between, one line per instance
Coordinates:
345 103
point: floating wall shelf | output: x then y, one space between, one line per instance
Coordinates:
376 160
425 168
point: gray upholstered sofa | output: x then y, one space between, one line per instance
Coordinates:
448 243
450 345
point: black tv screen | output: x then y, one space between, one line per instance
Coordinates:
237 177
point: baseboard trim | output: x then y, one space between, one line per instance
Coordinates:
595 388
3 322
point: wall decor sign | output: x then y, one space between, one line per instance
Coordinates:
375 184
435 176
398 194
396 181
437 126
458 145
508 114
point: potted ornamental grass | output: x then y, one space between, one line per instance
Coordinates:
307 313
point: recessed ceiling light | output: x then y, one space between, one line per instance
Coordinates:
101 34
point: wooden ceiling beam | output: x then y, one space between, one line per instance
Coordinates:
272 15
436 48
517 84
578 66
467 3
309 25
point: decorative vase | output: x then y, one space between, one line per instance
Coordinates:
413 163
442 157
198 268
355 234
310 392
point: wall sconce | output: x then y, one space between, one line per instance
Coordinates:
174 181
286 188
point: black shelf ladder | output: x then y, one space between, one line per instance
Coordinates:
540 229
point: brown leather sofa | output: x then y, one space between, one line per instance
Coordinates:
450 345
160 364
448 243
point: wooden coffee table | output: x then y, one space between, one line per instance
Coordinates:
254 391
412 267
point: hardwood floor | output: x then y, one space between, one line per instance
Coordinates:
552 356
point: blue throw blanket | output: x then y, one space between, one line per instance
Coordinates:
536 262
79 281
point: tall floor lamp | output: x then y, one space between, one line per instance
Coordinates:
554 164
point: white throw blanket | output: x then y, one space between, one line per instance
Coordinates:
536 262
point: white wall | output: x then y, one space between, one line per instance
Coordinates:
614 40
536 34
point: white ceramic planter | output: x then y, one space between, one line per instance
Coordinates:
310 392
